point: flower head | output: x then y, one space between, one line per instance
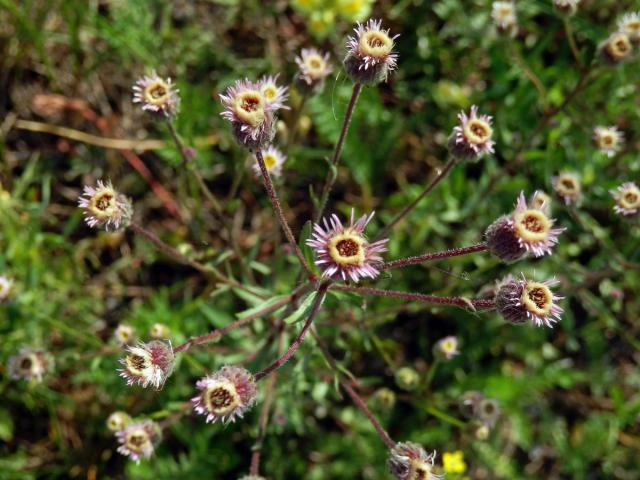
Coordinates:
472 138
541 201
453 462
274 95
105 207
384 398
30 364
504 17
156 95
370 56
407 378
608 139
6 285
118 421
124 334
488 412
447 347
526 231
314 68
139 439
160 331
566 6
250 114
627 197
148 364
617 48
522 300
344 252
630 25
225 395
567 187
409 461
273 160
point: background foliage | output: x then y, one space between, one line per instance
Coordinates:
569 396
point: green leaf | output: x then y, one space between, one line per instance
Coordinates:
265 304
303 309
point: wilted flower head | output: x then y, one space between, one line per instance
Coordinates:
447 347
6 284
139 440
274 95
344 252
407 378
30 364
630 25
160 331
250 114
225 395
567 187
566 6
472 138
118 421
541 201
148 364
520 300
124 334
370 57
273 160
105 207
608 139
617 48
314 68
504 17
627 197
526 231
409 461
156 95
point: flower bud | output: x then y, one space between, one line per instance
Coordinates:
407 378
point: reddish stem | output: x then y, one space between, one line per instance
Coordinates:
361 404
427 257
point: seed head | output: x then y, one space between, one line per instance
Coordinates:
160 331
30 364
567 7
617 48
156 95
225 395
629 24
314 69
447 348
567 187
273 160
407 378
472 138
627 197
409 461
148 364
118 421
522 300
251 115
274 95
370 56
609 140
344 252
105 207
139 439
504 17
124 334
541 201
6 287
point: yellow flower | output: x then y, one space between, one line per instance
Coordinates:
453 462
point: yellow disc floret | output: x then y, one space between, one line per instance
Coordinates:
537 298
347 249
531 225
249 107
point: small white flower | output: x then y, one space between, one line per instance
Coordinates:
609 140
156 95
273 160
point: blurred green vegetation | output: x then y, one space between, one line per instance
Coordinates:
569 396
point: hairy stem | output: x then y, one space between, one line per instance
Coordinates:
317 303
331 175
427 257
572 41
406 210
271 192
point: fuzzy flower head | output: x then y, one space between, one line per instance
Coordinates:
273 160
160 331
344 252
6 285
274 95
526 231
630 25
139 439
447 348
617 48
627 197
30 364
105 207
148 364
409 461
472 138
124 334
156 95
522 300
567 187
118 421
225 395
541 201
609 140
504 17
568 7
250 114
370 56
314 68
